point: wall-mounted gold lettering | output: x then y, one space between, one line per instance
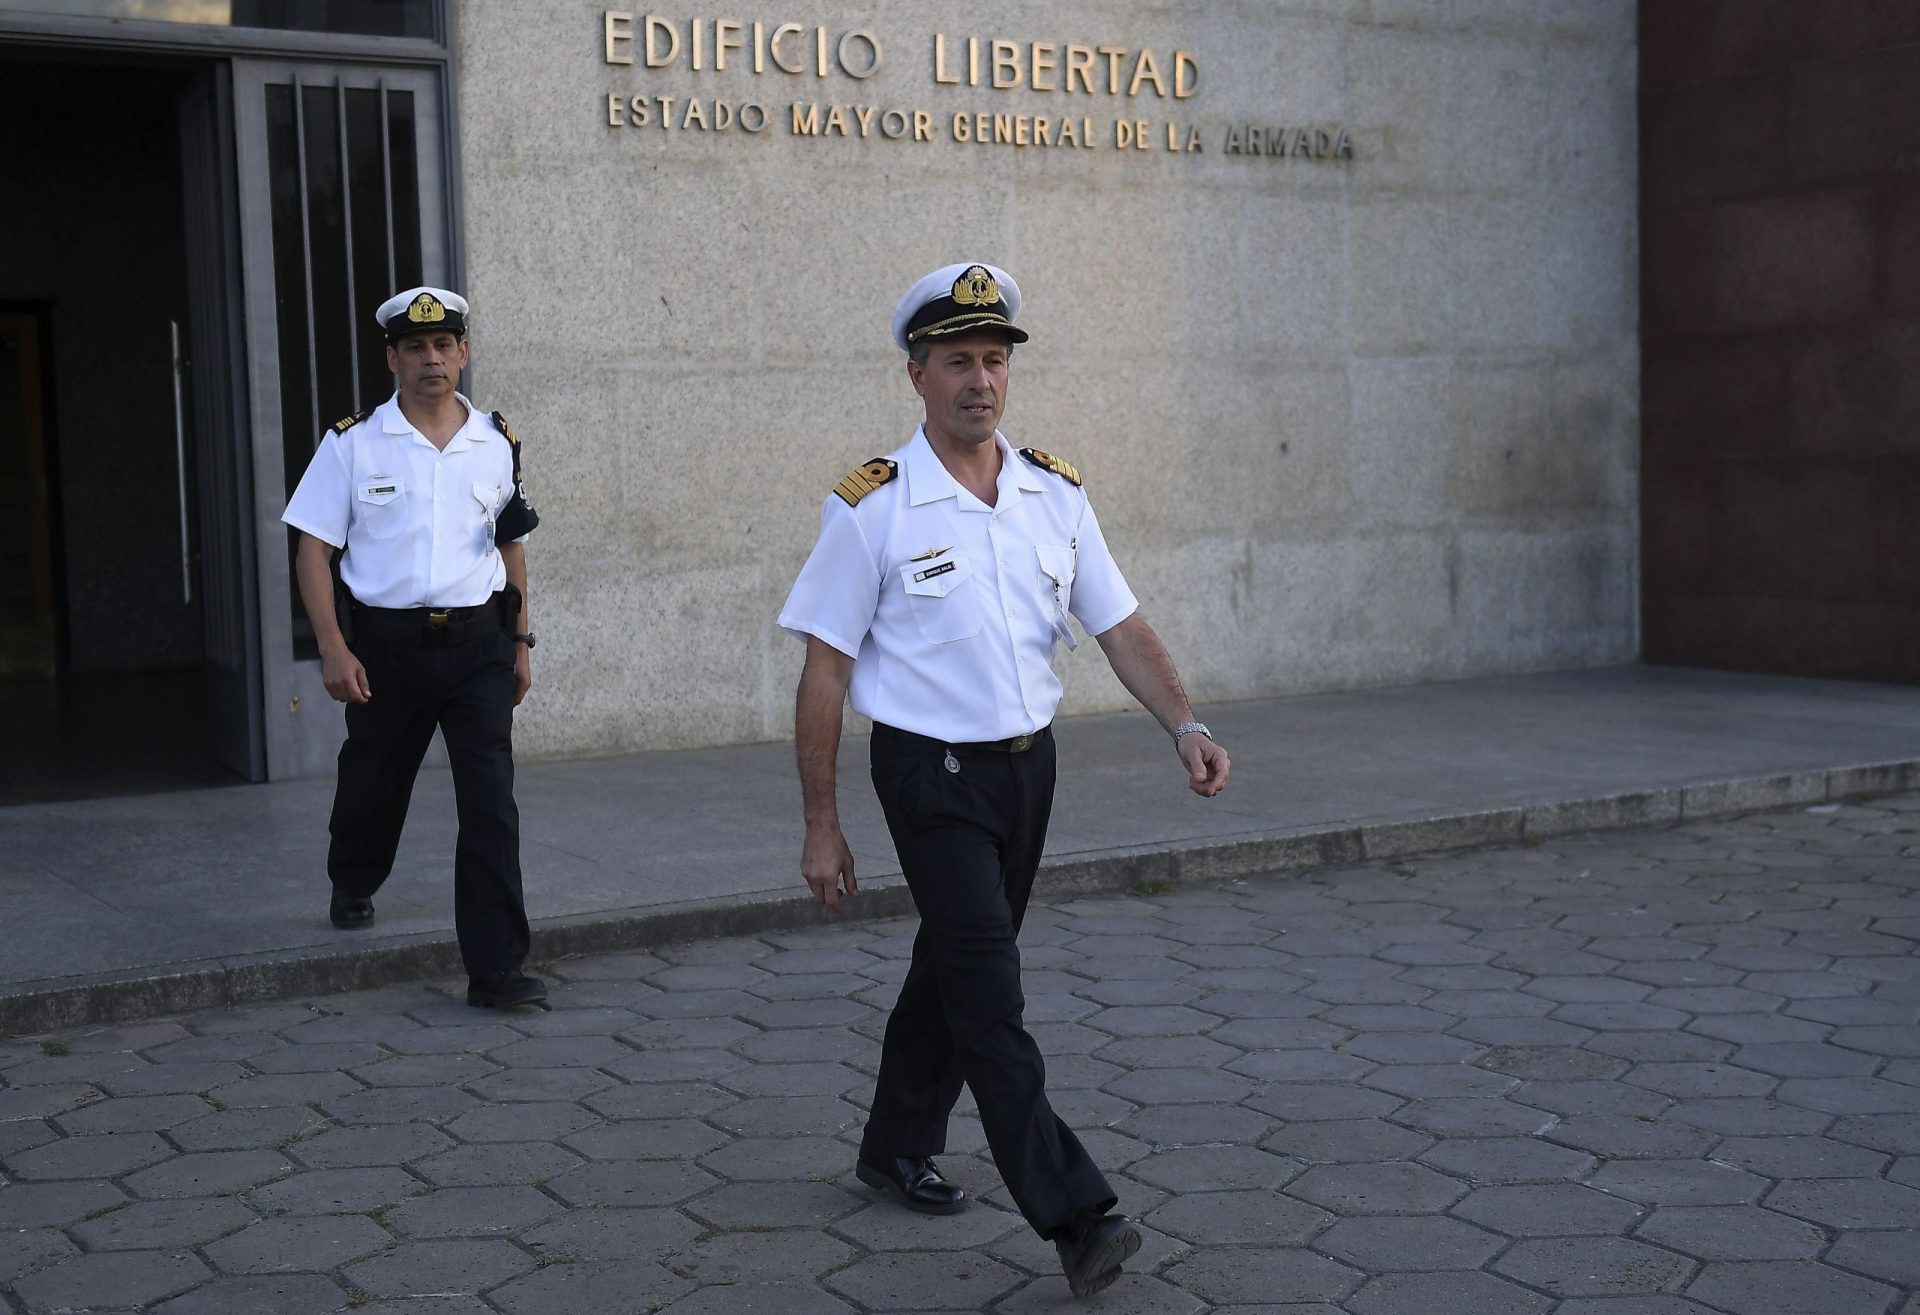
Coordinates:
1009 65
703 45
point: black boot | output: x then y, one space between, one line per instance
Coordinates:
508 990
1092 1251
350 912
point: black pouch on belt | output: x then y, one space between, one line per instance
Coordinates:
508 601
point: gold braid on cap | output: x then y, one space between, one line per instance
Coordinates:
426 309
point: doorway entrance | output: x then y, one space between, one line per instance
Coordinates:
111 511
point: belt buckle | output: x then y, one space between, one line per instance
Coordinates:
1020 743
439 618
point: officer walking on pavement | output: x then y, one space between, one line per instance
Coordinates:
426 627
941 580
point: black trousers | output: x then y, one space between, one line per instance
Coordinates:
467 692
969 843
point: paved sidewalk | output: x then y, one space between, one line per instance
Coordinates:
1650 1072
154 904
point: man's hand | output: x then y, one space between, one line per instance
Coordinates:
1206 764
827 864
346 679
522 672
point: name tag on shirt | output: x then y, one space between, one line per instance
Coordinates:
931 571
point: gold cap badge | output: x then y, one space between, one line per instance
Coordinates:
426 309
976 287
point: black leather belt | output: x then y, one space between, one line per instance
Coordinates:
885 734
428 627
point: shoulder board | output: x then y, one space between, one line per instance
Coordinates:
862 480
342 426
500 423
1047 461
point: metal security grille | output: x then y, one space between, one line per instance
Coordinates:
346 236
345 168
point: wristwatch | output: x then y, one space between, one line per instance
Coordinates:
1186 728
526 639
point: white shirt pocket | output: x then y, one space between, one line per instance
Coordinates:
487 496
382 506
1056 585
941 596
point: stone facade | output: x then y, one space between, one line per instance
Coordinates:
1782 446
1348 422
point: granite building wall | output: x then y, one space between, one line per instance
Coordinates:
1348 421
1781 222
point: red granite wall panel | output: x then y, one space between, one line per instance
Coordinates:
1780 237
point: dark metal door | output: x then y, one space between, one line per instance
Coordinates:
344 201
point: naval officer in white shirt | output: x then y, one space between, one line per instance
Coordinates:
943 577
427 627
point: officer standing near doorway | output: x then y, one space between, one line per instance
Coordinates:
941 580
423 498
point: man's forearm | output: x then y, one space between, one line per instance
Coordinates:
1143 665
822 693
816 738
514 557
313 565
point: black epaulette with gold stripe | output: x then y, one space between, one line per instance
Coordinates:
1047 461
500 423
342 426
862 480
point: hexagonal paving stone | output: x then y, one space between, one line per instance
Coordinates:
527 1121
1421 1242
134 1114
611 1233
631 1183
34 1205
648 1139
1848 1202
1308 1102
210 1173
460 1266
1338 1141
1594 1266
371 1146
938 1281
1164 1086
1425 1294
160 1225
1679 1182
776 1205
111 1280
337 1191
790 1117
1614 1137
97 1156
1368 1189
1252 1276
1548 1210
1889 1256
1474 1116
1732 1232
1799 1157
1215 1168
1188 1125
289 1294
316 1243
1229 1218
1507 1160
884 1226
1787 1288
472 1212
497 1164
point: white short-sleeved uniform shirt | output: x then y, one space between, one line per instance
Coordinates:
417 522
951 608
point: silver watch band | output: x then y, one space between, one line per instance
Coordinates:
1188 728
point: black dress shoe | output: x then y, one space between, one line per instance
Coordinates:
1094 1251
509 990
350 912
913 1182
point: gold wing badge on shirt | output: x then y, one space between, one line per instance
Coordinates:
1048 462
862 480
